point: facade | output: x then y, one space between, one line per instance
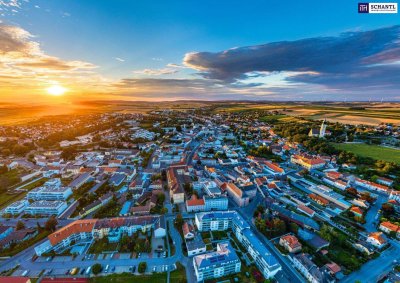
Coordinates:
290 243
17 207
224 220
308 162
177 176
46 208
377 239
310 270
49 193
86 230
207 203
238 196
216 264
372 186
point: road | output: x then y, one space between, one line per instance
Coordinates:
374 269
372 215
291 273
24 258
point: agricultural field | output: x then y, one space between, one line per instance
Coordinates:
17 114
373 151
349 113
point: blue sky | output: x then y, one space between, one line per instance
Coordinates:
138 44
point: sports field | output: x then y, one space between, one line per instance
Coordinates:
373 151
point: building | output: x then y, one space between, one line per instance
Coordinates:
17 207
46 208
207 203
80 180
50 193
357 211
215 203
385 181
195 204
290 243
14 279
177 177
372 186
310 270
216 264
238 196
377 239
188 231
224 220
195 246
87 230
308 162
389 227
321 132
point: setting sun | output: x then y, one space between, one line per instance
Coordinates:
56 90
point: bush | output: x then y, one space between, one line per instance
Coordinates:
142 267
96 268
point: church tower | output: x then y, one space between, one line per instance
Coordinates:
322 129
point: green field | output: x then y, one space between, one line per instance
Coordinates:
178 275
373 151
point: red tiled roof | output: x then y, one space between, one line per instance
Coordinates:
72 228
10 279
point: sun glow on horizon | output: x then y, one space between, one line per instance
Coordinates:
56 90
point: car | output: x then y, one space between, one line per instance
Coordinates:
130 268
113 269
133 269
48 259
154 268
139 254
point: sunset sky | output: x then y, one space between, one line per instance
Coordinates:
64 50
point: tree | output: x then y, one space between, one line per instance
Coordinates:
179 220
51 224
387 209
352 191
142 267
20 225
68 153
96 268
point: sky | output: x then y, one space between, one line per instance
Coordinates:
199 50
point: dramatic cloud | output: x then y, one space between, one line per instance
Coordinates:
352 59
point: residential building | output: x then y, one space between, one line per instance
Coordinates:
308 162
290 243
224 220
16 208
46 208
310 270
50 193
377 239
86 230
224 261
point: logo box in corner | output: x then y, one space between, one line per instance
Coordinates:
377 8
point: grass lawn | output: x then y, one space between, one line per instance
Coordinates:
272 118
6 198
13 250
373 151
102 245
176 276
128 278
